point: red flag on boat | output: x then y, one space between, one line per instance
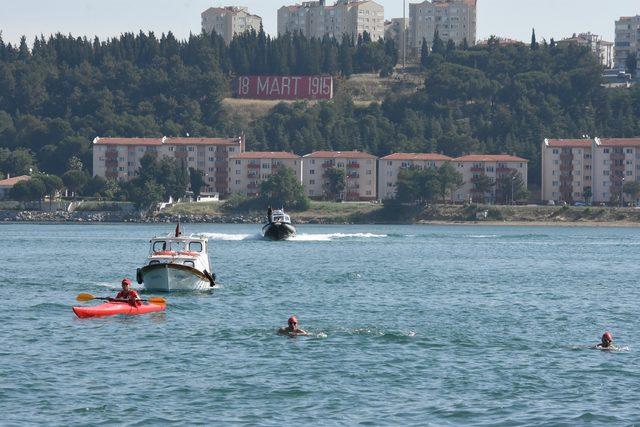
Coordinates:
178 232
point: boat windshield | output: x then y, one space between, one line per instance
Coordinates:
279 216
176 246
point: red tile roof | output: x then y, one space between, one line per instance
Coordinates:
10 182
489 158
265 155
171 141
416 156
619 142
340 155
202 141
573 143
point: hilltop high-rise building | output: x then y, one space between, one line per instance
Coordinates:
627 39
602 49
316 19
454 19
228 21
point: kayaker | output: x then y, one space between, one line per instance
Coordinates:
128 294
607 341
292 328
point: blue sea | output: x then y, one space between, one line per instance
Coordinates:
409 325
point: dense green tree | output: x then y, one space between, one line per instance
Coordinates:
283 189
449 180
482 185
587 194
17 162
52 184
74 180
28 191
335 183
510 188
437 45
534 42
424 53
631 64
632 190
196 180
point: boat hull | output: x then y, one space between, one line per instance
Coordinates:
275 231
174 277
116 308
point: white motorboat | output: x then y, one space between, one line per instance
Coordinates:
177 263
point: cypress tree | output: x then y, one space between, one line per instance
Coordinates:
438 45
424 53
534 43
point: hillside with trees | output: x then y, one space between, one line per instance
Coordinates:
59 93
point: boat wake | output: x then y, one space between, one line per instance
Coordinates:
334 236
299 238
231 237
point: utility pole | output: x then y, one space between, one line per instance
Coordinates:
404 35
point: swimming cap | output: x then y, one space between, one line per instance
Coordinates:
293 319
607 336
126 282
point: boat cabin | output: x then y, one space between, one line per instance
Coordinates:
280 216
188 249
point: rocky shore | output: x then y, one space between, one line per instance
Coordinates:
61 216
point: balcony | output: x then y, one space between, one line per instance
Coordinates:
253 166
276 166
252 185
617 156
503 169
353 176
477 169
252 175
328 165
353 165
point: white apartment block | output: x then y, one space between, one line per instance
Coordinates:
573 169
247 170
360 171
228 21
390 166
454 19
119 158
615 161
494 166
315 19
603 50
567 169
627 39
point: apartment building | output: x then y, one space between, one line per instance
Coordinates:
602 49
247 170
454 19
567 170
627 39
615 161
493 166
390 166
315 19
119 158
360 171
228 21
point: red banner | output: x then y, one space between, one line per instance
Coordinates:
283 87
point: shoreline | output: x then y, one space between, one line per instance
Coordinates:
39 217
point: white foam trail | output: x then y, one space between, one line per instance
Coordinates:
332 236
230 237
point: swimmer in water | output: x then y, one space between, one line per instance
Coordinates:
607 342
292 328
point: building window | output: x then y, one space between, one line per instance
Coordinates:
605 173
190 148
212 148
605 151
172 148
629 173
238 162
312 172
555 151
368 172
238 182
266 166
237 172
312 182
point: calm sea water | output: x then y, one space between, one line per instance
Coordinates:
410 325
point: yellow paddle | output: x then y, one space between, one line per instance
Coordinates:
89 297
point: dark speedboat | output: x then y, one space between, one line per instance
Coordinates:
279 226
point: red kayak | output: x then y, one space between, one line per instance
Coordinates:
113 308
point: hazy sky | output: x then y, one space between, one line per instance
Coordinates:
106 18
